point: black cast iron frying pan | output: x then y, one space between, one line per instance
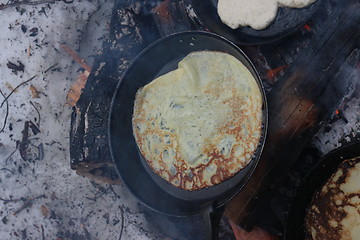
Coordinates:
295 225
287 21
157 59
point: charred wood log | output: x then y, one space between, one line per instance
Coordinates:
132 28
305 97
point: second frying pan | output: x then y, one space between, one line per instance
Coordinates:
150 189
295 226
287 21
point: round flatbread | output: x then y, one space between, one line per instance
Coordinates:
200 124
257 14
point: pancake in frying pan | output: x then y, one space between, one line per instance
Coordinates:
200 124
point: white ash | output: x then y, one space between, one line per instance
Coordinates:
190 11
69 206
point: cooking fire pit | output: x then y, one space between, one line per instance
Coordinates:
309 75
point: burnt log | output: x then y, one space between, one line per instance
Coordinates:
131 29
306 96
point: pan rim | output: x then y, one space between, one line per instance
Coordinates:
140 55
328 163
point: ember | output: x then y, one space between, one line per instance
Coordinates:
307 27
274 72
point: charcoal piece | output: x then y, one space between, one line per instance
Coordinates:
23 145
16 67
89 150
34 32
23 28
35 130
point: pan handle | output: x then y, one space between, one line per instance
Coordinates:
211 217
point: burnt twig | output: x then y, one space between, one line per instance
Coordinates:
7 97
53 142
42 232
7 112
40 151
76 57
92 199
113 191
6 169
12 153
6 201
27 203
43 11
51 67
122 222
24 142
99 194
16 67
35 129
17 147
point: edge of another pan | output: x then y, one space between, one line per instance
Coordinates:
317 177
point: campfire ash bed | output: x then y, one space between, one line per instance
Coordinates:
311 80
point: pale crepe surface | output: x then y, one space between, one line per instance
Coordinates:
200 124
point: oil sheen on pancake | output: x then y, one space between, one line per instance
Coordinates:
335 209
200 124
257 14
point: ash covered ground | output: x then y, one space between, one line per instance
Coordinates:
40 196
